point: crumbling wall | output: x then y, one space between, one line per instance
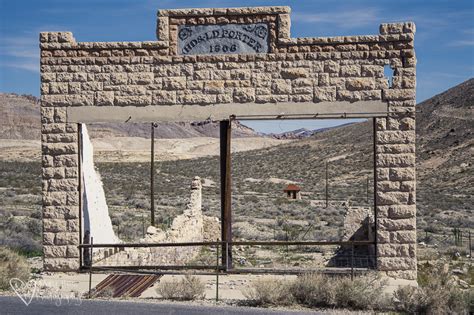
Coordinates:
187 227
96 221
359 225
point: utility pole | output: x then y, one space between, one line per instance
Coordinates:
327 185
152 175
470 247
367 190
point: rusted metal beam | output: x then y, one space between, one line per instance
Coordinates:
302 243
226 193
294 271
124 245
290 271
152 176
163 267
80 186
239 243
374 127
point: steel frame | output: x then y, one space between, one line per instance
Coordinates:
225 128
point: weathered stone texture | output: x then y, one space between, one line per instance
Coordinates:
345 68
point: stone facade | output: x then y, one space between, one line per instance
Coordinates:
296 70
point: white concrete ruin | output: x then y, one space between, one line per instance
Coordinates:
95 214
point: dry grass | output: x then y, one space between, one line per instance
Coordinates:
269 292
437 294
12 266
361 293
186 289
316 290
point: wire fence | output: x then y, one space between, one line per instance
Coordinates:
458 238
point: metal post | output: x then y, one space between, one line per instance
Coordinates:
367 190
226 193
227 255
90 267
352 260
217 271
79 172
327 185
152 175
470 248
374 132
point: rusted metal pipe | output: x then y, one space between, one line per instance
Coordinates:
226 186
152 176
249 243
90 266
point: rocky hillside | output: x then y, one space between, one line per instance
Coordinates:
301 133
445 150
20 119
445 179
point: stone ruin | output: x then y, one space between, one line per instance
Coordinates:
359 225
187 227
247 65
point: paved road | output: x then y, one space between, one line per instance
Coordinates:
13 305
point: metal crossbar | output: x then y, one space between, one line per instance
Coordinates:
237 243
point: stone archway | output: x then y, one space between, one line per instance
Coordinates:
262 72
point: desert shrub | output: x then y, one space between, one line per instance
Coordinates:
12 265
269 292
313 290
437 294
316 290
107 293
409 299
169 289
364 292
20 236
188 288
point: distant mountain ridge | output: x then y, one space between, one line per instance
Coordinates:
302 133
20 119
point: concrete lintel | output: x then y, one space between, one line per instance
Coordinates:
361 109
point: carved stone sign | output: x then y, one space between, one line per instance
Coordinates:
223 39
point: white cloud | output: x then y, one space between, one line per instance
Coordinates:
463 42
345 19
29 66
21 52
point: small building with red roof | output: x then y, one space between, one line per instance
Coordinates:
293 191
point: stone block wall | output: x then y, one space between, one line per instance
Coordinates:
295 70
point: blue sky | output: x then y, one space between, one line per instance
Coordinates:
444 40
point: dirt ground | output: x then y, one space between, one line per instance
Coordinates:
135 149
231 287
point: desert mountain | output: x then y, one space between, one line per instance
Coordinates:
445 179
301 133
20 119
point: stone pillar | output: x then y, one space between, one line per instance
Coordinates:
60 178
395 166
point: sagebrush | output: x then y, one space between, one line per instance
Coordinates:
316 290
187 288
437 293
12 265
